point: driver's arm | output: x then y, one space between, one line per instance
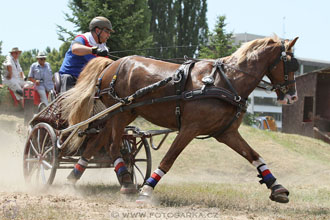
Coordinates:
81 50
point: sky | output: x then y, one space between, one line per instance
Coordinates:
31 24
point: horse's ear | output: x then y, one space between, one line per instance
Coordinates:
291 43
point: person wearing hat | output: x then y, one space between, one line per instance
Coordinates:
13 75
41 75
84 48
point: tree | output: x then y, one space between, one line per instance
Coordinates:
221 43
26 59
178 26
130 20
2 59
56 57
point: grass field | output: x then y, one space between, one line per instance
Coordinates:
208 181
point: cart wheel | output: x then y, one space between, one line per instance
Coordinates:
40 159
137 156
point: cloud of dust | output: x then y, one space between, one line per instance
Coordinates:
13 136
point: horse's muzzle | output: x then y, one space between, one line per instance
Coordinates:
288 99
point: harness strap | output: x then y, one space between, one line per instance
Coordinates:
219 65
212 92
180 79
111 89
99 80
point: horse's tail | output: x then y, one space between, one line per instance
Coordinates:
79 101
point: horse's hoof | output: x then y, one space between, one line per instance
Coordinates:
279 194
145 195
128 189
143 199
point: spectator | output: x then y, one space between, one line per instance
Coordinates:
13 75
41 75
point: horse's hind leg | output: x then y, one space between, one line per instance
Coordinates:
93 145
180 142
237 143
118 125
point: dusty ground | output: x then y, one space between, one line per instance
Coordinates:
96 196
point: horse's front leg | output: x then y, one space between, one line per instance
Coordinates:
180 142
234 140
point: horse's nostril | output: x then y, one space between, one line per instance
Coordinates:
294 98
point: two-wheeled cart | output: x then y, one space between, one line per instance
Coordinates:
45 148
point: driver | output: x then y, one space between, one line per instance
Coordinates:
84 48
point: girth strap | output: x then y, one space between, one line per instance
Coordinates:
180 79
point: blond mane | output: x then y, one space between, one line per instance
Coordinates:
79 101
249 49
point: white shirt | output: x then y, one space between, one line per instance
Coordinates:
16 68
92 41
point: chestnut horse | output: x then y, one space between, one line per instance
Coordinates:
239 74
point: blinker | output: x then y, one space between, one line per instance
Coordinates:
292 65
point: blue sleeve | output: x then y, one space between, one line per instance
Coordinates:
79 40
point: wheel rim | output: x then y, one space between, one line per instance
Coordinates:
40 156
138 159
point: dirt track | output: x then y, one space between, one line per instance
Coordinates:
61 201
96 196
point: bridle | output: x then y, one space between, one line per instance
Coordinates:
291 65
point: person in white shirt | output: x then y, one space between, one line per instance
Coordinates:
13 75
41 75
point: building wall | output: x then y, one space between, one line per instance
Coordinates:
306 65
323 96
293 115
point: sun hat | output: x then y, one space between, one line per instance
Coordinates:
15 49
41 55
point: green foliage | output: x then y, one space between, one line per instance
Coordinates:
178 27
221 44
3 93
249 119
26 59
129 18
55 57
2 59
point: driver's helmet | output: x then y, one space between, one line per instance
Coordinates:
100 22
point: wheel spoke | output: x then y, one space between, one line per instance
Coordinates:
48 166
38 140
33 148
43 143
47 151
38 173
138 150
42 172
139 171
32 168
32 160
141 160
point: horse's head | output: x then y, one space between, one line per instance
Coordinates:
281 74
